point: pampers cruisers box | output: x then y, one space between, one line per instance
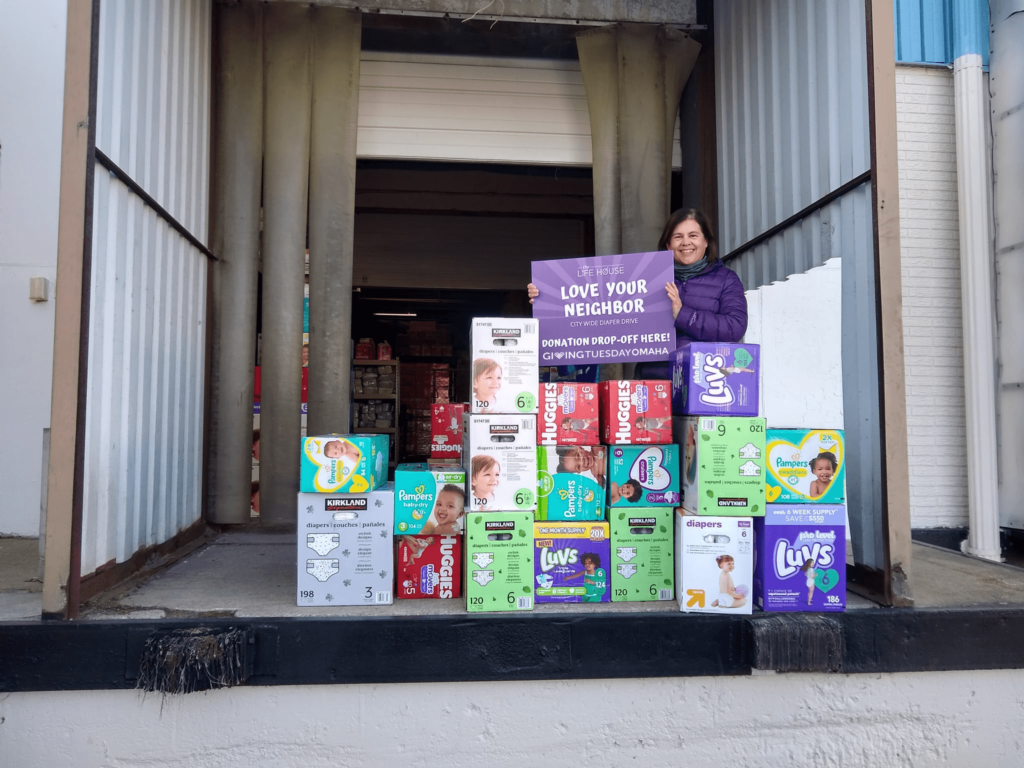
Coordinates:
636 412
506 371
343 463
806 466
346 550
429 498
571 482
428 567
501 467
570 562
568 414
642 564
711 379
446 431
714 564
499 562
643 476
723 464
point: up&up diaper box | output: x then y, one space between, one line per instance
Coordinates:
723 464
801 558
506 373
568 414
806 466
636 412
571 482
343 463
428 567
570 562
446 432
346 551
715 379
643 476
429 498
502 461
642 564
499 562
714 564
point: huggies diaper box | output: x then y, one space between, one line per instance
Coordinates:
806 466
714 564
346 550
643 476
506 373
642 564
636 412
710 379
501 469
570 562
801 558
343 463
723 464
428 567
446 431
499 562
568 414
571 482
429 498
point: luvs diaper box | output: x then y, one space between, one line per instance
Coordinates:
499 561
723 464
806 466
446 431
571 482
801 558
346 550
429 498
343 463
711 378
568 414
643 476
636 412
714 564
428 567
502 461
505 365
570 562
642 564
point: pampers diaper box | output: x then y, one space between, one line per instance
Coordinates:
428 567
636 412
346 550
711 379
643 476
570 482
642 564
429 498
499 562
571 562
343 463
568 414
806 466
723 464
501 469
446 432
801 558
506 373
714 564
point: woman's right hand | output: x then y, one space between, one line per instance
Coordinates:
673 296
531 289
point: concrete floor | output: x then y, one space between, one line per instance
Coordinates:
21 590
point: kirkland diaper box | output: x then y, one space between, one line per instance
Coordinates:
806 466
714 564
643 476
723 464
499 561
570 562
568 414
428 567
429 498
346 550
446 431
343 463
710 379
506 371
642 564
571 482
501 468
636 412
801 558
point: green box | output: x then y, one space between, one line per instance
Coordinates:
499 561
570 482
643 566
417 508
723 464
343 463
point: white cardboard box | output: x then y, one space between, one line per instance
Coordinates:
501 471
714 563
506 373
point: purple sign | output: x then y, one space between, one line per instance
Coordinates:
604 309
715 379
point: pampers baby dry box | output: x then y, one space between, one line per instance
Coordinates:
343 463
571 482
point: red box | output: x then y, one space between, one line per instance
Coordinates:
636 412
568 414
446 430
429 567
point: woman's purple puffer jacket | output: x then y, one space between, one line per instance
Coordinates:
714 309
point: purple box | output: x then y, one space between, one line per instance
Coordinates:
800 558
572 562
712 379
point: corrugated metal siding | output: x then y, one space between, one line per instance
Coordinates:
924 31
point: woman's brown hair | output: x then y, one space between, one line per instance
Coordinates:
683 214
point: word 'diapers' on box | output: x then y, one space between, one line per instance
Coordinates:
711 379
502 461
714 564
636 412
428 567
505 371
446 431
499 562
568 414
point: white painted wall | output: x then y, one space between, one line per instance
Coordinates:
32 39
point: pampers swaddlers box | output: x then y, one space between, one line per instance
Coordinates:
806 466
711 379
568 414
643 476
428 567
505 365
343 463
499 561
714 564
723 464
570 562
570 482
636 412
642 565
429 498
501 467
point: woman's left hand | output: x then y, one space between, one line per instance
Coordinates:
673 296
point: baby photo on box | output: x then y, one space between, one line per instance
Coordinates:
343 463
506 371
714 564
571 482
644 476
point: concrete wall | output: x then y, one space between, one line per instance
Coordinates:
932 325
32 38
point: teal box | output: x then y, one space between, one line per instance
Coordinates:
644 476
430 499
571 481
343 463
